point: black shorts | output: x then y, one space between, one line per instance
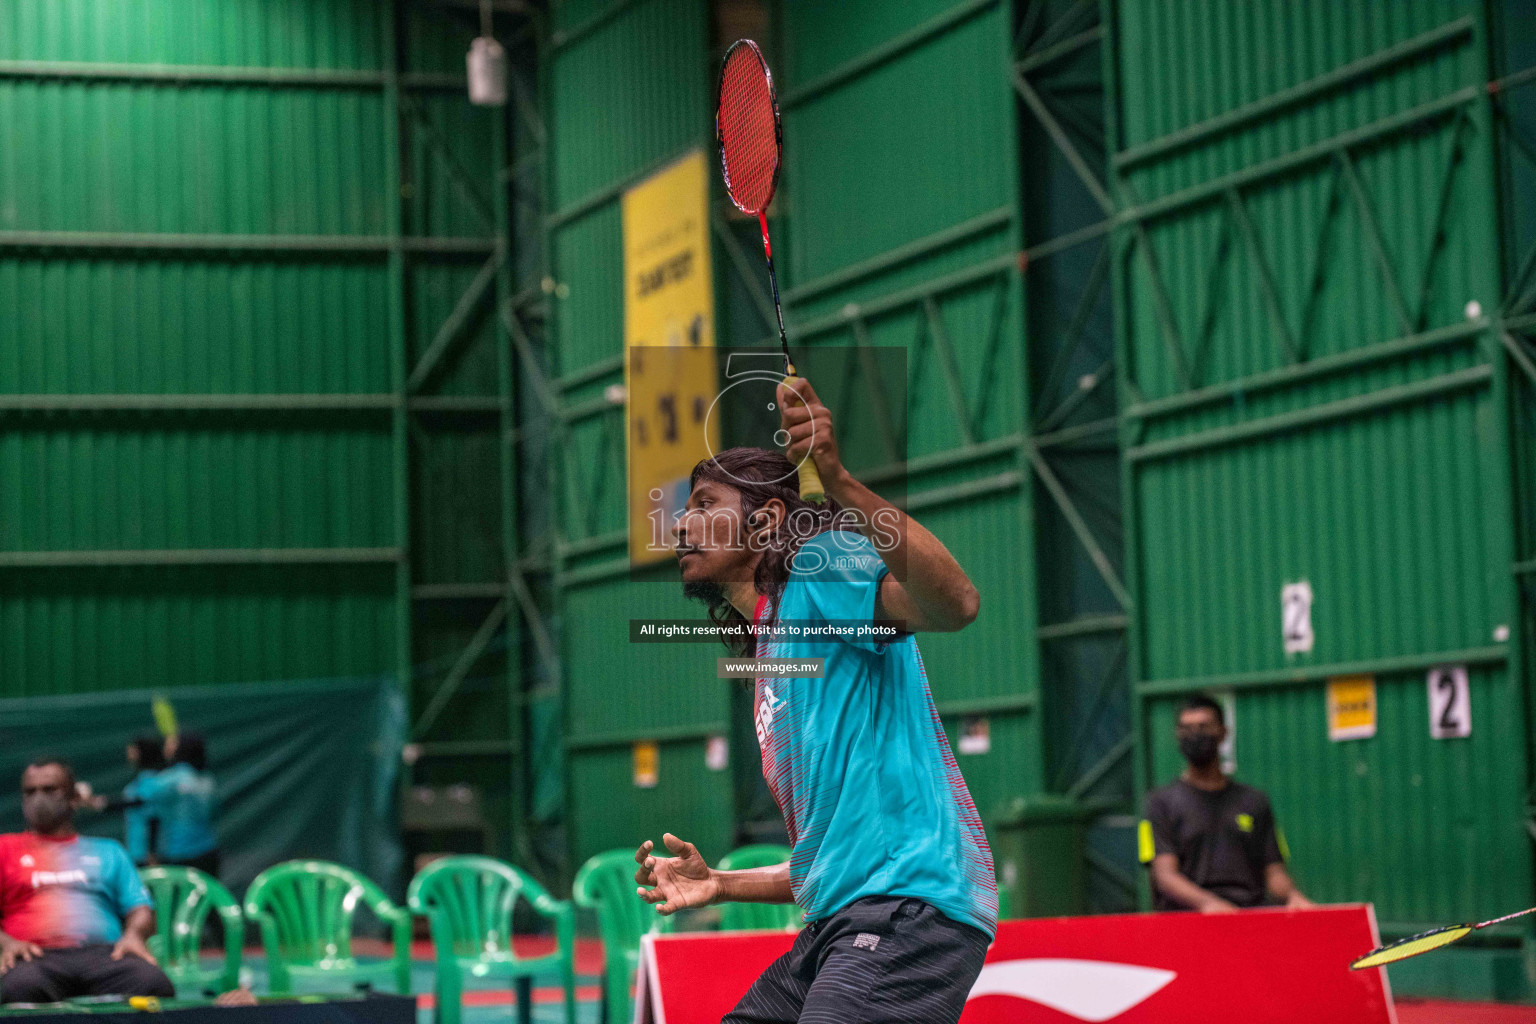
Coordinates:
879 960
81 971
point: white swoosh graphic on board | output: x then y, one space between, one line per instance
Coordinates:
1091 990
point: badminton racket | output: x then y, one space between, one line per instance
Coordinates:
751 149
1423 942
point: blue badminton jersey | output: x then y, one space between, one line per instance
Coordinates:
858 760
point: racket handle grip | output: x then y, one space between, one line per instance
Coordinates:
811 489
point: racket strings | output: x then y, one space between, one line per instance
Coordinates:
749 138
1412 946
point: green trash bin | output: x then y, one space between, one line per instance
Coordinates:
1040 858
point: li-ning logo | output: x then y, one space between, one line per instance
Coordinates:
27 861
42 878
765 709
1090 990
864 940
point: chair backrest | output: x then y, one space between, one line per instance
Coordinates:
736 917
184 897
606 884
311 904
760 855
470 901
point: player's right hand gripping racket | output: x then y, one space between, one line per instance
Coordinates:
751 147
1423 942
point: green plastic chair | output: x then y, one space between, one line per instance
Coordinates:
606 884
469 901
305 910
738 917
184 897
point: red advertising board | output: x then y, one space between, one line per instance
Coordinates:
1257 967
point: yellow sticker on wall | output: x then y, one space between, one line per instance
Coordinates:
647 764
1351 707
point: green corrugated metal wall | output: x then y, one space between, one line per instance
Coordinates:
210 308
1309 396
629 88
901 194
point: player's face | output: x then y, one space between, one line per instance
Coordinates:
711 541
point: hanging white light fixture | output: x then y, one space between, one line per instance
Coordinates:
486 64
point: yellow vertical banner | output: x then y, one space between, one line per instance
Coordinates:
670 375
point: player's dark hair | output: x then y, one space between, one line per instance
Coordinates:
69 769
761 475
1201 701
192 749
151 750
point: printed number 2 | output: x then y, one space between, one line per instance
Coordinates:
1450 702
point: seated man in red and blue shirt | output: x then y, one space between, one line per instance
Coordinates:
74 916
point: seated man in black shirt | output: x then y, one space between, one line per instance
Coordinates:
1211 842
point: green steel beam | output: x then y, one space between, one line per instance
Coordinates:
199 556
903 254
460 405
943 460
200 74
1172 337
299 403
1322 367
467 748
398 343
1033 61
745 270
1445 383
951 370
592 371
1079 527
1086 386
591 545
1492 655
125 241
1068 149
463 182
1002 703
665 734
561 40
1238 211
457 591
1378 244
524 348
1346 74
1326 149
453 327
1215 274
895 47
994 484
906 296
1524 568
1071 435
460 671
1113 756
1519 355
1437 232
610 193
1074 337
1061 243
1083 625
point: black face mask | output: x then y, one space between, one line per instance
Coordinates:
1199 749
46 812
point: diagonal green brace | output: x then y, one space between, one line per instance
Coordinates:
454 325
1079 527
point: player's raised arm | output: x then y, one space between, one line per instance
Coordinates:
934 593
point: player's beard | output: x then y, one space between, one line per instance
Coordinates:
708 591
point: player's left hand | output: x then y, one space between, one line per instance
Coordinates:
131 945
809 425
681 881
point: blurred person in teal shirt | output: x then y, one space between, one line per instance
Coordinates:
181 800
146 754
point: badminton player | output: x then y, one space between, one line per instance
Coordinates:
890 866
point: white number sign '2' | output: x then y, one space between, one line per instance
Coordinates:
1450 702
1296 616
